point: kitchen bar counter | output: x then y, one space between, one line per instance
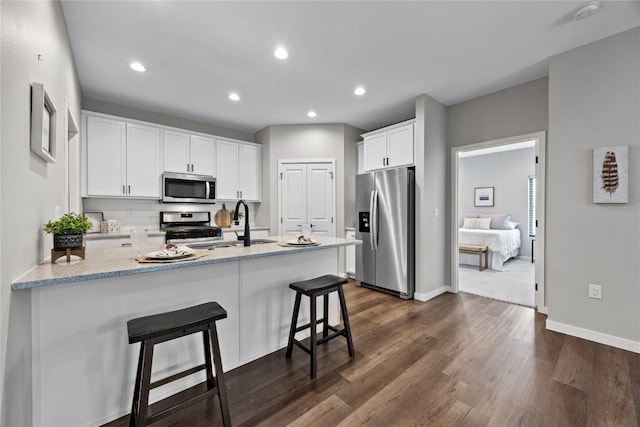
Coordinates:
120 261
83 368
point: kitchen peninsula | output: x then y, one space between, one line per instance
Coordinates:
83 366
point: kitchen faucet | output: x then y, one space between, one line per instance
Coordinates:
247 237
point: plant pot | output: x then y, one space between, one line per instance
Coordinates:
63 242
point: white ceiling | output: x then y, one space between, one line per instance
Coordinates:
196 53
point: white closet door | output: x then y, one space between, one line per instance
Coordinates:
320 198
293 197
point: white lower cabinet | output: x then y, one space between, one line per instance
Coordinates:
350 262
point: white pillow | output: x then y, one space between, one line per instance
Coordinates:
462 216
484 223
510 225
498 221
471 223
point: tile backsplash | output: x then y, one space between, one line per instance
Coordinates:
145 214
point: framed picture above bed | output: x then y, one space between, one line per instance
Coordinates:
483 196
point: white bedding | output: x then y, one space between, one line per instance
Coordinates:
502 244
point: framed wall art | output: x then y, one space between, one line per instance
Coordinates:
96 219
43 124
483 196
611 174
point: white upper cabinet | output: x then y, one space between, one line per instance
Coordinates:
238 170
106 157
188 153
122 159
143 161
360 166
202 155
389 147
126 158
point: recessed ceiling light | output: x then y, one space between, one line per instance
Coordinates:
138 67
360 91
281 53
234 96
311 114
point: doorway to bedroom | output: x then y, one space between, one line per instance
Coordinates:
496 205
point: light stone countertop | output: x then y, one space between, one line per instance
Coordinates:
113 262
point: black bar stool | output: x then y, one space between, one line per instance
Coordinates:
152 330
313 288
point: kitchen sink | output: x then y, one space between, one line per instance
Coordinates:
261 241
226 244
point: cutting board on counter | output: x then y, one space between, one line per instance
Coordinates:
223 217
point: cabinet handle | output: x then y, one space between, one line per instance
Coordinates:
191 167
241 194
387 161
188 165
128 189
123 192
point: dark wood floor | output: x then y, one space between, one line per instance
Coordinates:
456 360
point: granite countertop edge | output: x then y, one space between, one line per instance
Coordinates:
133 267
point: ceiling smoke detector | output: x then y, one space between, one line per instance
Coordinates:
586 11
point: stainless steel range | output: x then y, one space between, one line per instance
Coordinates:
193 229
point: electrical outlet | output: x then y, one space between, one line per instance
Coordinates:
595 291
436 213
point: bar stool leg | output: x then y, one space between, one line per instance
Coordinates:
325 316
136 390
345 319
206 343
145 382
314 340
294 325
222 388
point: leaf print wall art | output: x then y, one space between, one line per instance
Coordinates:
611 174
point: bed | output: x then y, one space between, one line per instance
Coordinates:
502 245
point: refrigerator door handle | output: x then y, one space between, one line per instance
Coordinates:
374 220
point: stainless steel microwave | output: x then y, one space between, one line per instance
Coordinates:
188 188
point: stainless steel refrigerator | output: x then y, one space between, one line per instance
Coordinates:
385 224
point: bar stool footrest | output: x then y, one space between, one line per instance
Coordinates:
177 376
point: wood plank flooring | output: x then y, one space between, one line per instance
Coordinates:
458 360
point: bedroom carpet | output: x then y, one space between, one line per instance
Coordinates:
515 285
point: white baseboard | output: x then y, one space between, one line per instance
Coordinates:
594 336
431 295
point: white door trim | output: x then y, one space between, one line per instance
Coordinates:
281 163
539 249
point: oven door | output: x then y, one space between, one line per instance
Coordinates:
185 188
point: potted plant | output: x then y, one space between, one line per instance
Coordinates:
67 231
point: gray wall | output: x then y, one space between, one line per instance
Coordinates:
281 142
432 237
515 111
351 137
30 188
163 119
508 172
593 101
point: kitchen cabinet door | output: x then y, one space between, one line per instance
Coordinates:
360 165
400 146
375 151
176 151
350 253
143 161
106 157
249 170
202 155
227 170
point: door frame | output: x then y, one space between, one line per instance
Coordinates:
281 163
539 247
